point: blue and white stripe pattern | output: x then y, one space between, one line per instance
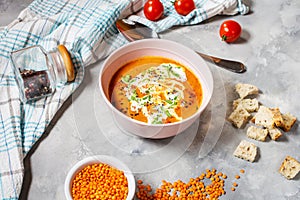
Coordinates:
205 9
86 28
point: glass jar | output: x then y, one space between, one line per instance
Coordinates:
39 72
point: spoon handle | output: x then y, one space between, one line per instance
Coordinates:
136 31
234 66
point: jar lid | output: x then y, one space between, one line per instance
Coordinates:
68 62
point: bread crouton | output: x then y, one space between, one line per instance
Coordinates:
257 133
264 117
251 105
290 167
245 90
274 133
239 117
246 150
278 120
288 122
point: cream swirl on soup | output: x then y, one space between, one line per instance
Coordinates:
156 91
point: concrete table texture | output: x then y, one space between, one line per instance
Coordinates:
269 46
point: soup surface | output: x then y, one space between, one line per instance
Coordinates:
155 90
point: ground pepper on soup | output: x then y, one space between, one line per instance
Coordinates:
155 90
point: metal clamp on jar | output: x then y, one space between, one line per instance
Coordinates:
39 72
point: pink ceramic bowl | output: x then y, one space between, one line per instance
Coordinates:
163 48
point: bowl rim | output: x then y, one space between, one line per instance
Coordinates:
151 41
105 159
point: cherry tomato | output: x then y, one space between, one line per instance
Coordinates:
184 7
230 31
153 10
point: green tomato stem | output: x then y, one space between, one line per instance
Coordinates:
224 37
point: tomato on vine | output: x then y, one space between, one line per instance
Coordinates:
184 7
153 10
230 31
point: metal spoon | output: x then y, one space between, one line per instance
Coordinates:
136 31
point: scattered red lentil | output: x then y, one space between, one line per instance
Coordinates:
99 181
234 184
209 185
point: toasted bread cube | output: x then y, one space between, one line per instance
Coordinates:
274 133
246 150
245 90
257 133
239 117
288 122
264 117
278 120
251 105
290 167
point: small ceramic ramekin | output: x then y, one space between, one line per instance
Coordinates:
112 161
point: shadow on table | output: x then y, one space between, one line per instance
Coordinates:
27 164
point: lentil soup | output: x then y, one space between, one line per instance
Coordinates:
155 90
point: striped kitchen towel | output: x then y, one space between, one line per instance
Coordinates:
86 28
205 9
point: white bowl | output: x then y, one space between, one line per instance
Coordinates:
163 48
100 159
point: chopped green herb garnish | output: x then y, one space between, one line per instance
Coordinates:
126 78
168 113
146 80
175 74
133 98
169 101
131 81
156 122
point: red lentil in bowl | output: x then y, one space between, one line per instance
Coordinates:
100 177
